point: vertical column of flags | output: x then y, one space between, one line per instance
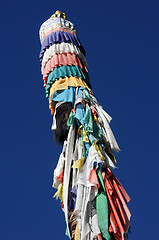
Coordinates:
93 200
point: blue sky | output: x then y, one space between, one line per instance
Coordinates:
121 39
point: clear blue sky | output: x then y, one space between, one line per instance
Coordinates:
121 39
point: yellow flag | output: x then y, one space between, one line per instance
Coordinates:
77 232
79 130
111 155
95 118
79 164
59 193
98 148
85 137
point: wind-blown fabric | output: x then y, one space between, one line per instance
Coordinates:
93 200
65 71
59 37
61 48
58 60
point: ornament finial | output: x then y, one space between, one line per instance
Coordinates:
59 14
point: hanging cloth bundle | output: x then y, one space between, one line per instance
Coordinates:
93 200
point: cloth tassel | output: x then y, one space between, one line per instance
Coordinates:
119 212
84 136
79 164
69 154
59 193
61 177
93 178
77 232
98 148
102 209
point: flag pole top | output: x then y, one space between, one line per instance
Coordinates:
59 14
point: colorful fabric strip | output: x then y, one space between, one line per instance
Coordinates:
58 37
58 60
65 83
65 71
118 210
61 48
49 31
102 209
67 95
